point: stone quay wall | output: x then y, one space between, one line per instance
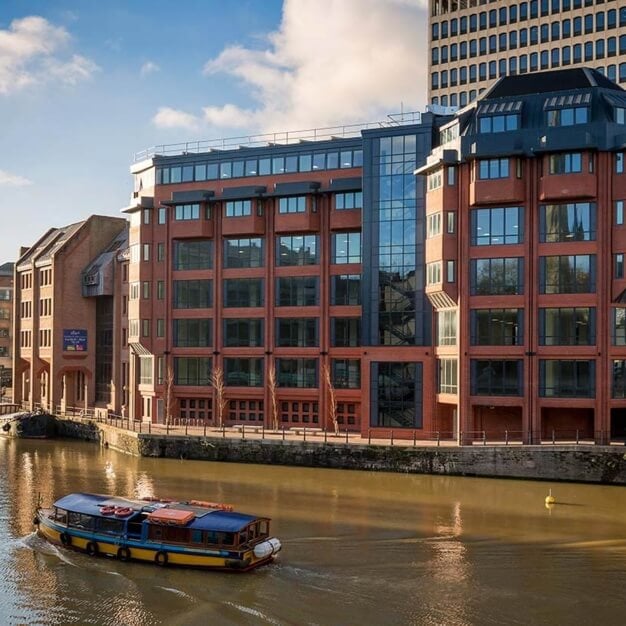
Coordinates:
581 463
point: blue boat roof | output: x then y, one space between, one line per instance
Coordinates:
206 519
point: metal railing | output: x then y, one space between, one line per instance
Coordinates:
281 138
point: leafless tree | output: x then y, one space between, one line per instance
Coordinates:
332 400
216 381
168 399
271 383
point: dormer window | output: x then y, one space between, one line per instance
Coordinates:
568 116
619 114
498 123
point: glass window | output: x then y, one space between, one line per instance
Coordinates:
192 294
243 333
346 373
238 208
191 370
346 248
619 327
345 289
567 326
566 379
619 212
297 291
498 123
243 292
397 389
193 254
566 163
493 168
345 332
294 204
496 378
187 212
496 327
499 276
240 372
296 373
447 378
297 250
192 333
567 274
575 221
497 226
297 332
446 327
241 253
568 116
350 200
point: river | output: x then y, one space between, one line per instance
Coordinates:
358 548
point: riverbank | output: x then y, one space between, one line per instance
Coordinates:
573 463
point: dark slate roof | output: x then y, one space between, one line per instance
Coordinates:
6 269
546 82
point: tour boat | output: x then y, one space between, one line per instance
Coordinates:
196 533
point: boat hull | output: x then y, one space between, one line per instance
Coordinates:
97 544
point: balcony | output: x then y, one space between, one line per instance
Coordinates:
297 222
345 219
180 229
566 186
497 191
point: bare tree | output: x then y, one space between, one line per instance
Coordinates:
332 400
168 399
271 383
216 381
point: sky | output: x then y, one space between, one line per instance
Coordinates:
84 84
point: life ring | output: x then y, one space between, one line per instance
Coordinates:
66 539
123 554
107 510
123 511
92 548
160 558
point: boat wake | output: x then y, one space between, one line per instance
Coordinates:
178 592
37 544
254 612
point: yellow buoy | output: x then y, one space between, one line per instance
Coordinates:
550 499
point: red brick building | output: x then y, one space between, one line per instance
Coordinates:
6 319
525 260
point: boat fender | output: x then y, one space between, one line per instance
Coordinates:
160 558
36 521
92 548
263 550
276 545
6 427
123 554
66 539
237 563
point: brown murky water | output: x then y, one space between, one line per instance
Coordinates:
358 548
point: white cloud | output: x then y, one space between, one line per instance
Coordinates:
149 68
330 62
167 117
31 51
13 180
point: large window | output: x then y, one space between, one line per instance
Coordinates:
618 387
491 277
187 212
297 291
446 327
567 326
346 248
566 163
192 370
619 326
294 204
568 116
496 378
346 373
345 331
243 333
496 327
243 252
567 379
345 289
297 332
192 294
397 392
493 168
243 292
193 254
192 333
567 274
238 208
498 123
349 200
497 226
297 250
296 372
574 221
448 376
243 372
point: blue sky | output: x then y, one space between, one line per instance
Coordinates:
84 84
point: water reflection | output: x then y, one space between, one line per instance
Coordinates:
367 548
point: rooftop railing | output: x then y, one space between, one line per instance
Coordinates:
279 138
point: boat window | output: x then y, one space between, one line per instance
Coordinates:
156 532
176 535
110 525
264 528
197 536
79 520
60 515
218 538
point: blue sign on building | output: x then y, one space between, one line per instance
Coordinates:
74 340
